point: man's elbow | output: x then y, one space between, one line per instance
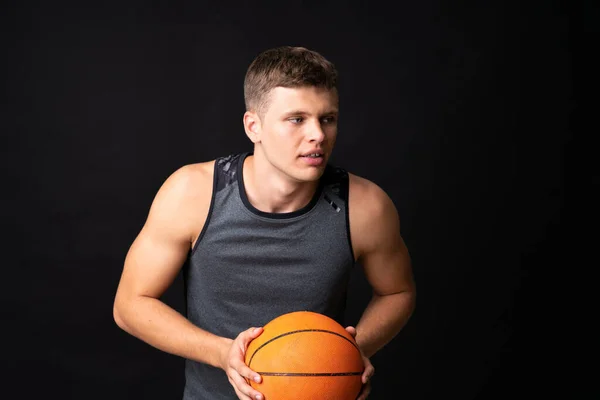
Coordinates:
118 313
410 297
407 301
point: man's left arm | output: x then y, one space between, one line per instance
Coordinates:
380 249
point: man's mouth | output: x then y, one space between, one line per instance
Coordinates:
313 155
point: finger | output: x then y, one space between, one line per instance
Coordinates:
249 335
241 395
242 373
244 388
364 393
254 332
368 372
245 372
351 330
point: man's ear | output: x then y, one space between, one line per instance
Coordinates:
252 126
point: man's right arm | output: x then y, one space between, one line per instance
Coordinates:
154 259
177 216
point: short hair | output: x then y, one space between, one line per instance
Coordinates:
289 67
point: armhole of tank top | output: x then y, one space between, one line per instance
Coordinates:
346 194
210 209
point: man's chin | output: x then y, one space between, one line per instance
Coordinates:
312 175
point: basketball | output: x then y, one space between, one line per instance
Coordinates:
306 355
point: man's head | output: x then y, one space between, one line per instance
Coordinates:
288 67
292 110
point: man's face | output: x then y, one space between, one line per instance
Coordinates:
298 130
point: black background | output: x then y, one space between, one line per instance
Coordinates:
462 111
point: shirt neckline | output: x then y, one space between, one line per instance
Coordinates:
256 211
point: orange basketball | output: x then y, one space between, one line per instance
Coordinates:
305 355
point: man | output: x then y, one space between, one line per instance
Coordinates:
265 233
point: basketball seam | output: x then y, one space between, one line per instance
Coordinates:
309 373
300 331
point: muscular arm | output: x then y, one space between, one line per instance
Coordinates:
380 249
154 260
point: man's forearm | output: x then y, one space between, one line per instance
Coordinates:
161 326
383 318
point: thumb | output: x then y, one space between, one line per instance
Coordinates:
351 330
254 332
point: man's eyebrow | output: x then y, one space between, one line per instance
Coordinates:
303 113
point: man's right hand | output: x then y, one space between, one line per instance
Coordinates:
234 365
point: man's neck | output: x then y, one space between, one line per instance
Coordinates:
269 190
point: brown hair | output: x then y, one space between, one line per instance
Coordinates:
285 66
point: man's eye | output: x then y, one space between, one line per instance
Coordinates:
328 120
295 120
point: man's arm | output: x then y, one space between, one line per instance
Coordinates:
177 216
380 249
154 260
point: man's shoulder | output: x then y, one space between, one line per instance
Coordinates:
194 172
190 180
363 185
366 194
200 175
372 213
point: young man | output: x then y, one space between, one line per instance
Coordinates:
265 233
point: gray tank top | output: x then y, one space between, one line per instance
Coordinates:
248 267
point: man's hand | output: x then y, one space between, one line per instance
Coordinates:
234 365
367 373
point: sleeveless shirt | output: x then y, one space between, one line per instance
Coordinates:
248 266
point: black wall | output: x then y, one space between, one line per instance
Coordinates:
461 111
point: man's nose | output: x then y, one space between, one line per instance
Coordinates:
315 133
